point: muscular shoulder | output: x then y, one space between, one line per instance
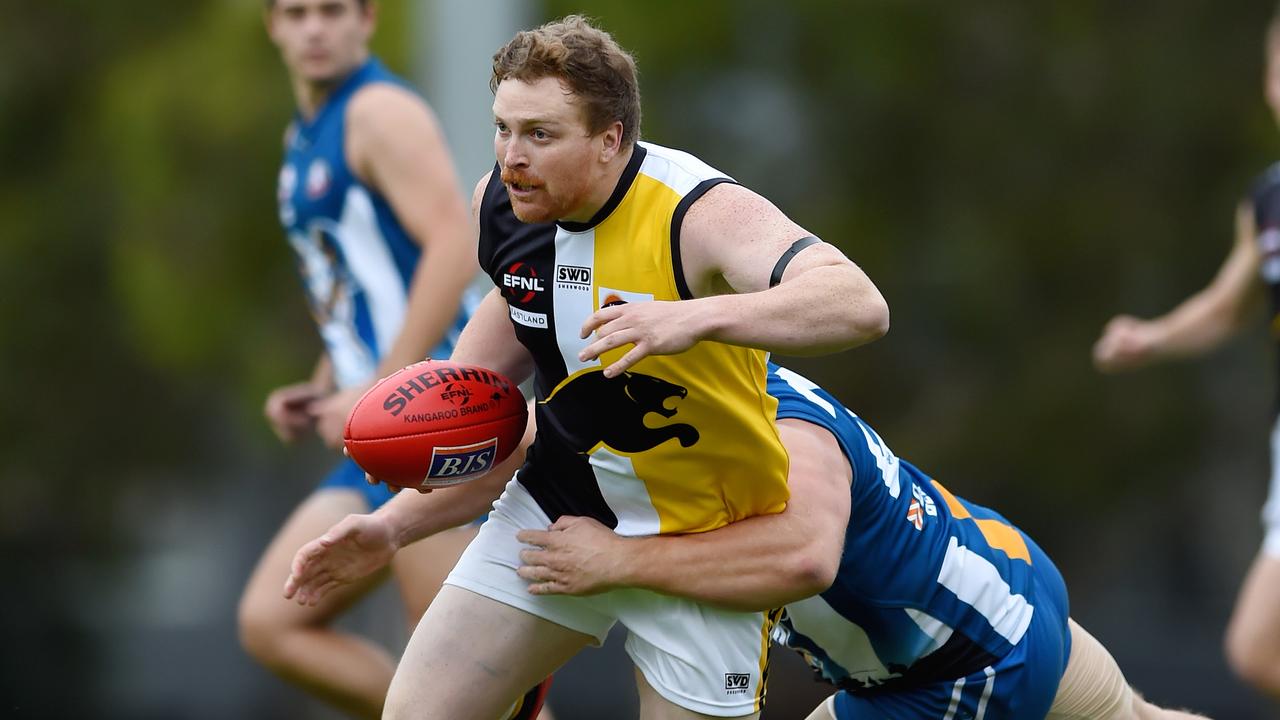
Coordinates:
385 118
380 106
729 208
728 223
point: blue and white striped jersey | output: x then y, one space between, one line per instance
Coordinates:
355 259
930 586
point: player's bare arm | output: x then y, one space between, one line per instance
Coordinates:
1200 323
755 564
395 146
730 242
360 545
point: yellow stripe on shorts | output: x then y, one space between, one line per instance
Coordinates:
771 618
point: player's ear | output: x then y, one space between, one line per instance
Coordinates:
611 141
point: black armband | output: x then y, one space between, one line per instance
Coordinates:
776 276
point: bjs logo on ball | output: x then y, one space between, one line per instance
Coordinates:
460 462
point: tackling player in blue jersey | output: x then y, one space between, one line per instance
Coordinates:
914 602
370 205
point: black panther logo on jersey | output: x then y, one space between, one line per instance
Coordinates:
593 409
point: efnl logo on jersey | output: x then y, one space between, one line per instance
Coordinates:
457 464
520 286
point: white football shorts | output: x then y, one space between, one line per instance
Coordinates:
701 658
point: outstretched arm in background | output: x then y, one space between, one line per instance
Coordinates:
1200 323
759 563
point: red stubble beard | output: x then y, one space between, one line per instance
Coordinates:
524 203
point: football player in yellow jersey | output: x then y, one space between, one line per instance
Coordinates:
741 279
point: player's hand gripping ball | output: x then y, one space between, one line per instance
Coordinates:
434 424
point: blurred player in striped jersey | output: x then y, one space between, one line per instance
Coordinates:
1202 323
369 202
914 602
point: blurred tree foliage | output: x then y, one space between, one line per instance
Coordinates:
150 301
147 281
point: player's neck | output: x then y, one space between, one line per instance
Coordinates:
603 188
311 95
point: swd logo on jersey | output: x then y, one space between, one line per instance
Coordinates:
573 277
737 683
921 505
521 283
460 462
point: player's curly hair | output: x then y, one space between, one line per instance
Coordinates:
588 60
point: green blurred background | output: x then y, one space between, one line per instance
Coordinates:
1009 174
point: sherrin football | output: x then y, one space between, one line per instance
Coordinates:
435 423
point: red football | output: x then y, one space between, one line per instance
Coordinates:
435 423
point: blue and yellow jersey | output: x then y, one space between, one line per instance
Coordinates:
930 586
355 259
680 443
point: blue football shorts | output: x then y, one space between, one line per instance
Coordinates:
1021 685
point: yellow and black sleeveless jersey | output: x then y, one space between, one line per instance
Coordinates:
680 443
